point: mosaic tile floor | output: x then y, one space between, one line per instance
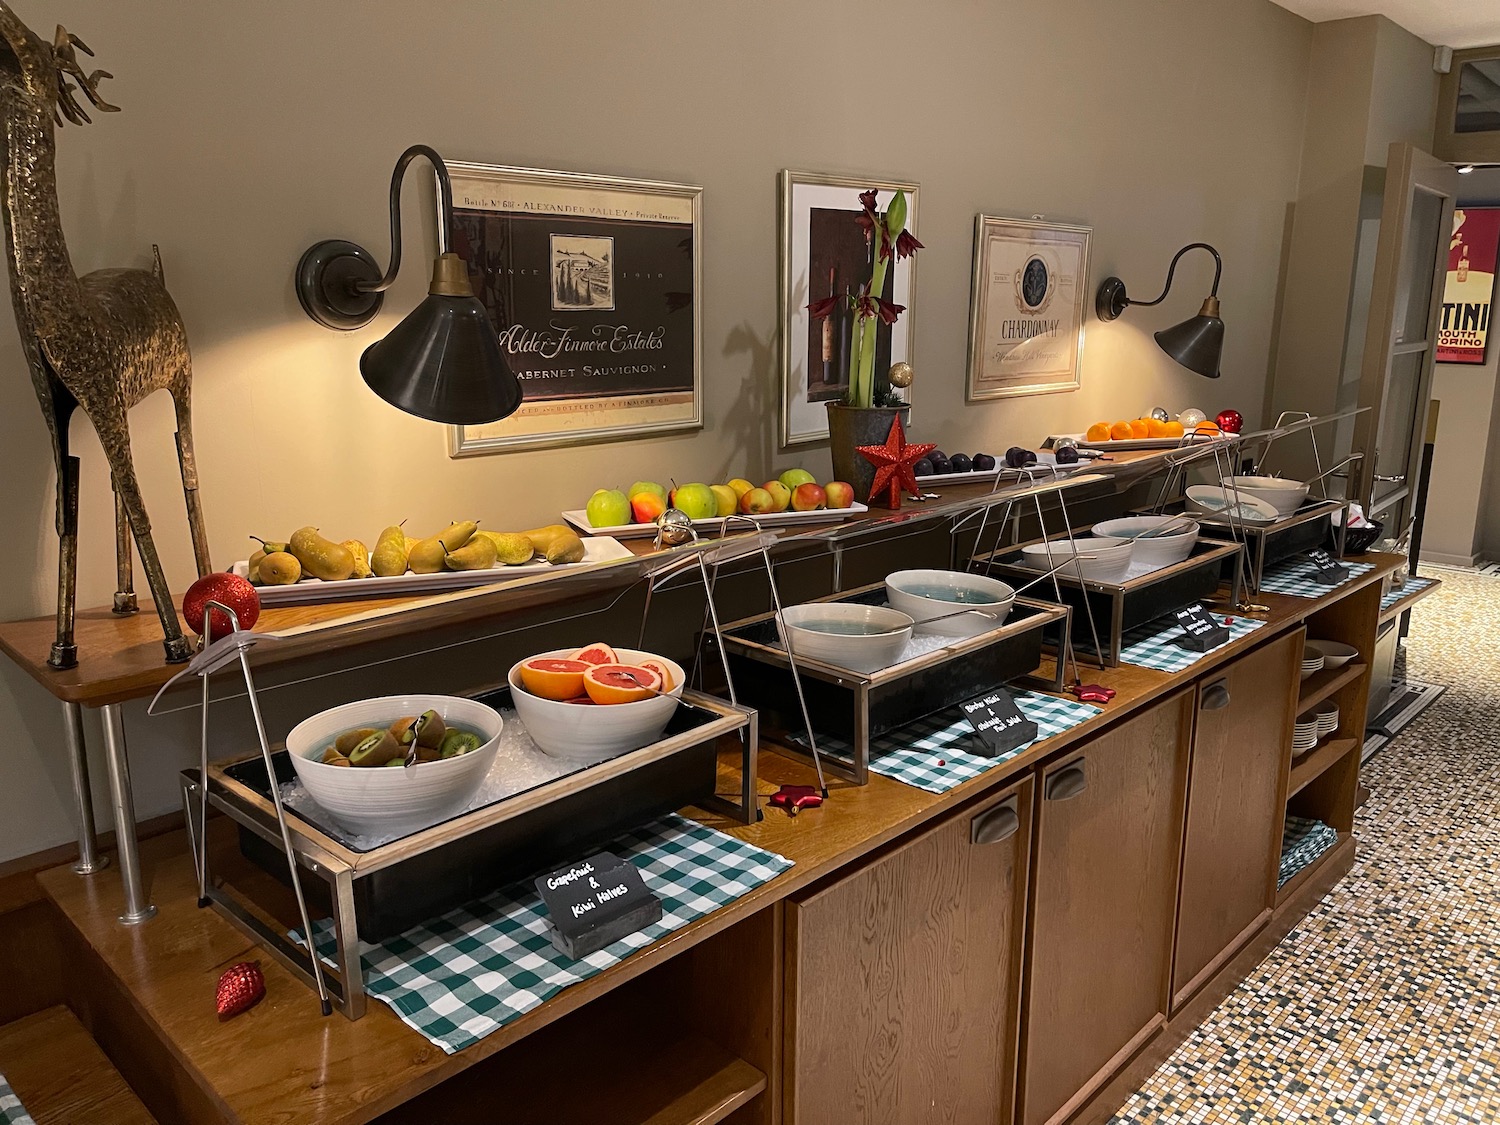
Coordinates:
1384 1004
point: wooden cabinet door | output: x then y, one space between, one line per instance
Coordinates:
1109 841
1236 807
903 979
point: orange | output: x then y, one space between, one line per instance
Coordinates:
1099 431
620 683
1210 428
1140 427
1120 431
659 666
1155 428
1173 428
596 653
551 678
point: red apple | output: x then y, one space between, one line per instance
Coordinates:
840 494
757 502
781 495
809 498
646 506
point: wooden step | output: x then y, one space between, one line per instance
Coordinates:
62 1077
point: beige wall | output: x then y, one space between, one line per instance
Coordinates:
249 131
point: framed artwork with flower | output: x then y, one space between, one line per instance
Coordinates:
1026 310
838 338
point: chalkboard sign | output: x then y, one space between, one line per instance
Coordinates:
998 722
1325 569
595 902
1201 630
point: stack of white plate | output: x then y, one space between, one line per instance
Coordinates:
1327 715
1312 661
1304 735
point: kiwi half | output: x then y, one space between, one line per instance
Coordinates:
376 750
347 741
430 730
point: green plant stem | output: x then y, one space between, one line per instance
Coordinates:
862 385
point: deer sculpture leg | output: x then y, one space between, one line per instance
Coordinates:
182 401
114 435
125 600
64 652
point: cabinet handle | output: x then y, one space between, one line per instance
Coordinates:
1067 784
994 825
1215 697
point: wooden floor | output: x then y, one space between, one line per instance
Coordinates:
61 1075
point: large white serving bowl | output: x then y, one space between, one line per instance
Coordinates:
1164 549
1211 500
379 801
862 638
1335 654
581 732
1285 496
946 593
1099 558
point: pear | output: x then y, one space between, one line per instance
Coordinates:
389 557
477 554
271 546
543 537
279 569
321 558
253 567
426 556
455 535
564 549
511 549
361 555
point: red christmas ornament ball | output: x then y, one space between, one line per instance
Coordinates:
227 589
240 988
1230 421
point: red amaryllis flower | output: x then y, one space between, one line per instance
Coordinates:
867 218
820 309
906 244
888 311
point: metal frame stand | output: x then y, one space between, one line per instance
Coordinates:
90 859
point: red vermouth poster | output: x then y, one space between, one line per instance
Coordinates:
1468 300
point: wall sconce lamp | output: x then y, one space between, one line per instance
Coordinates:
443 361
1197 344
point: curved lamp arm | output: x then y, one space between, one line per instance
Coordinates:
1112 300
445 214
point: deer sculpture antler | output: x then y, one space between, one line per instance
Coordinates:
68 66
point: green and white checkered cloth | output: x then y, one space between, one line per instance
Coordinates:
1295 576
1152 646
1410 586
460 977
929 752
1302 842
12 1112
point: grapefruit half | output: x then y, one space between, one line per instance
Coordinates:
551 678
596 653
620 683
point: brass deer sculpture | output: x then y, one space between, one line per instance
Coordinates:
103 341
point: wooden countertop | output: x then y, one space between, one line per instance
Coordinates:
282 1062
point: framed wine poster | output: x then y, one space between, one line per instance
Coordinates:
826 252
594 286
1026 307
1469 296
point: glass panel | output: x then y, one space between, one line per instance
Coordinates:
1398 421
1418 261
1478 97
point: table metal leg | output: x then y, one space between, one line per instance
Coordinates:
137 909
89 859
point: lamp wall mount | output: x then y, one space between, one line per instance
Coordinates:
1197 343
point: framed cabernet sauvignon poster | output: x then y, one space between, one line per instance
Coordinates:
1468 299
594 287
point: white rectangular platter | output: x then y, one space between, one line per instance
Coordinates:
1045 461
596 549
1125 445
580 519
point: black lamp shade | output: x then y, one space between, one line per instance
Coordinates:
1197 344
443 363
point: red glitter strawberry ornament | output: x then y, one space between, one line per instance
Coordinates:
227 589
240 988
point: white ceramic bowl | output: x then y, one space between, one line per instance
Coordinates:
1156 550
1285 496
1100 559
1328 718
990 596
581 732
1335 654
379 801
826 631
1211 500
1312 663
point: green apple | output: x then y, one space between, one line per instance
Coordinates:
651 486
781 495
793 477
696 501
727 498
608 507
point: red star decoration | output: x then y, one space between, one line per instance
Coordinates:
894 463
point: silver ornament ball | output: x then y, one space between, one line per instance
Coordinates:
1064 443
673 529
1191 417
901 375
1160 414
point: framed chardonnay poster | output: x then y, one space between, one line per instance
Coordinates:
594 286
